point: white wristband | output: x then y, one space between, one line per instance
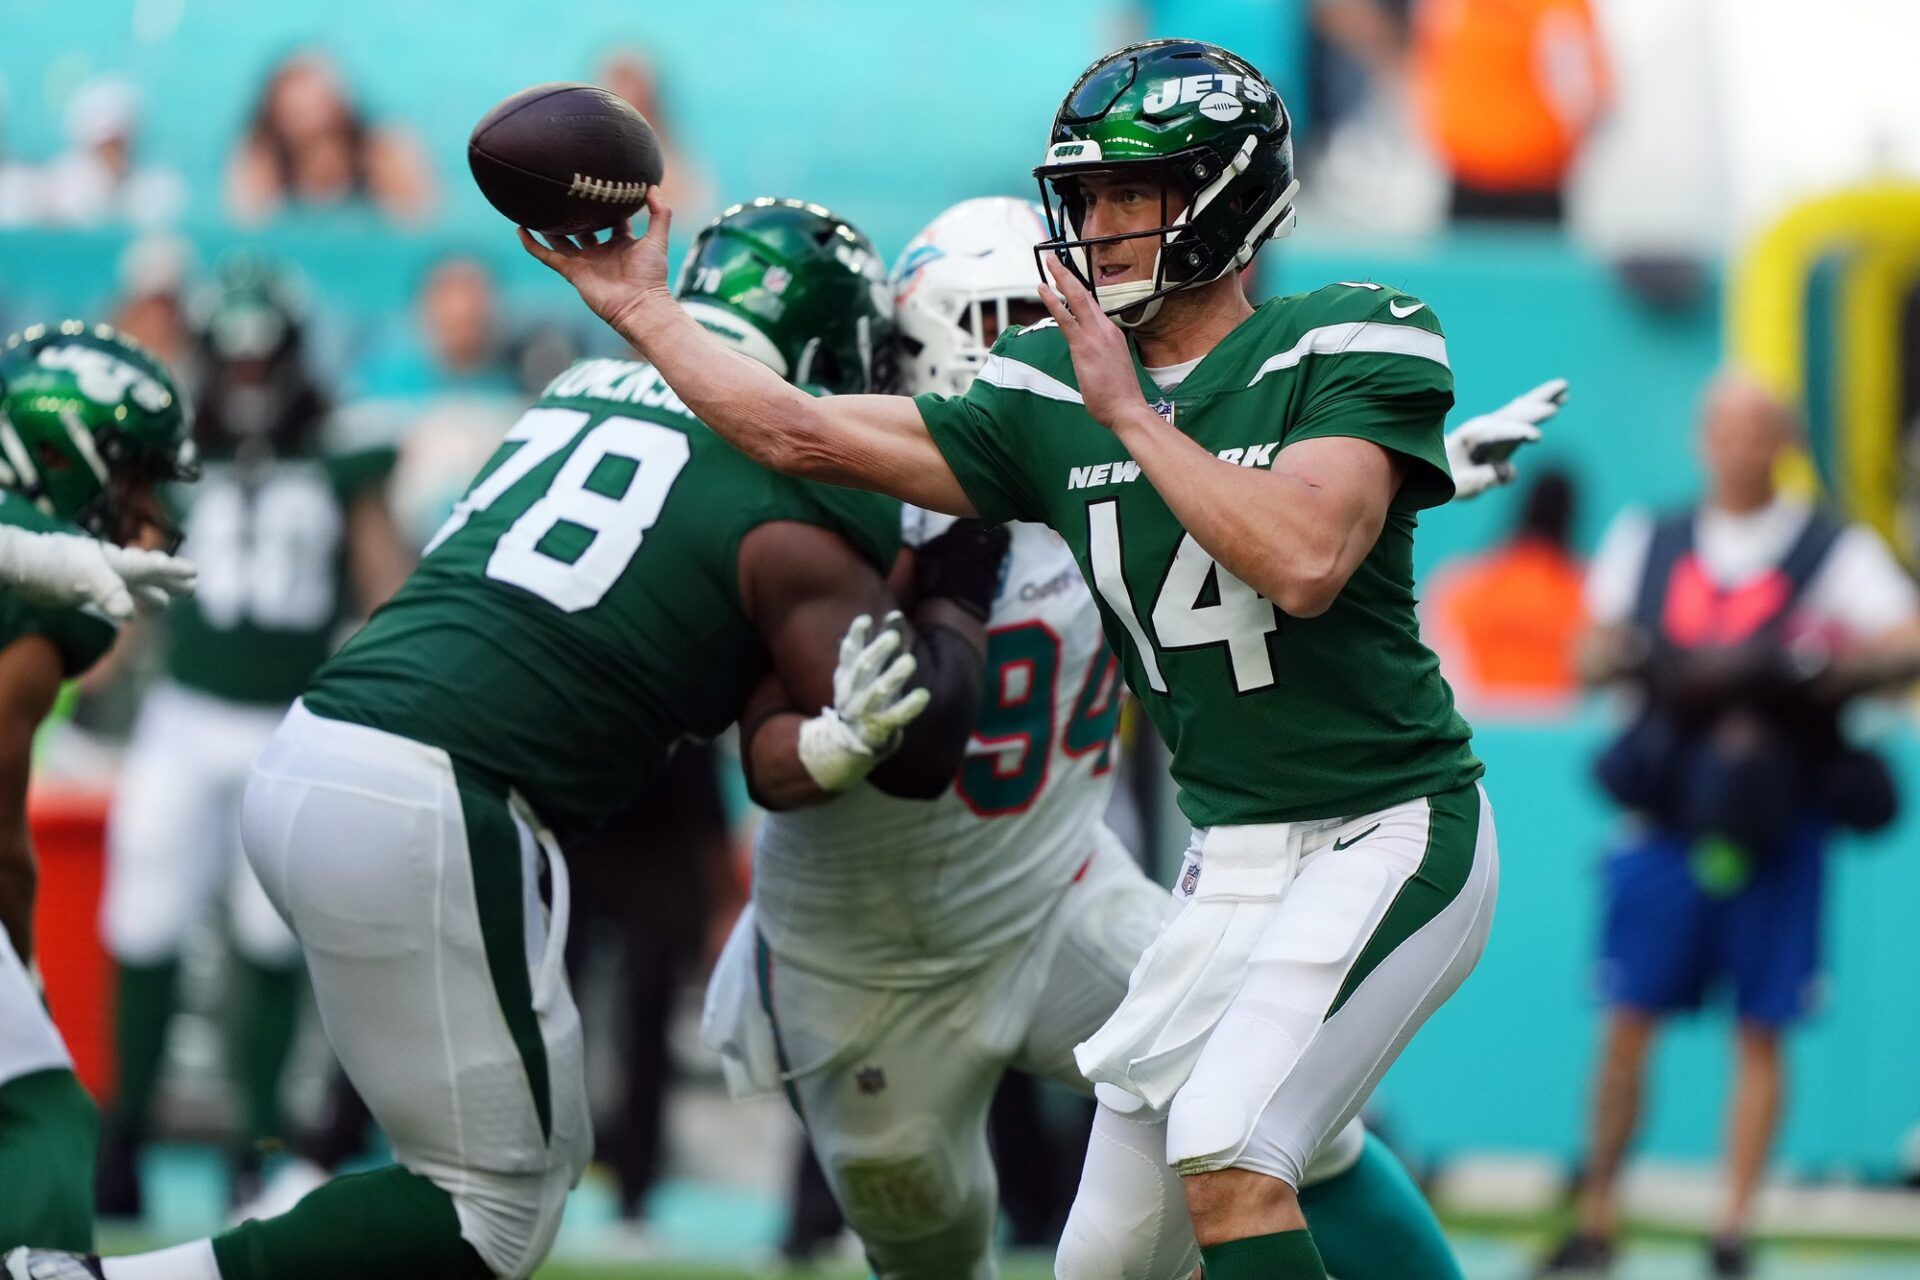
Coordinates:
832 753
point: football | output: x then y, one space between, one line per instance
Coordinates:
566 159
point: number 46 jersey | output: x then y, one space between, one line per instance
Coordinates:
579 612
904 893
1270 718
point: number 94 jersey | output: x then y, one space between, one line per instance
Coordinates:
892 892
580 610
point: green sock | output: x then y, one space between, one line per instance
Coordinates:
143 1007
1372 1223
263 1014
1285 1255
388 1224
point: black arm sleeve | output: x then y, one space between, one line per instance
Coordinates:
952 668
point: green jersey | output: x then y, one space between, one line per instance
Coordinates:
81 635
580 611
269 537
1270 718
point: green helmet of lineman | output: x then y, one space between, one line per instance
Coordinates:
798 289
88 421
1207 128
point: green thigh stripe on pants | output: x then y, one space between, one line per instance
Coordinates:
48 1130
1453 832
493 844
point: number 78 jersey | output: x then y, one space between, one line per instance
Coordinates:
1270 718
580 612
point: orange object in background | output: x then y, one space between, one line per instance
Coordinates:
1508 624
1507 89
69 829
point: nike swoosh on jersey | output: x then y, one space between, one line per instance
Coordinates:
1402 315
1351 841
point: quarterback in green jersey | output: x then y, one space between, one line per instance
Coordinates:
618 578
89 425
1239 486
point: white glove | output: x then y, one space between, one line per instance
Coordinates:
63 570
1479 448
844 742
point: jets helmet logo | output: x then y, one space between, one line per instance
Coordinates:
1221 97
102 377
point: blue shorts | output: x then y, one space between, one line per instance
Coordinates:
1668 943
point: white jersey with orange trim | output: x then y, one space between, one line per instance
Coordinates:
906 893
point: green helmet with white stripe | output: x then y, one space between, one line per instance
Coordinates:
1206 126
88 420
798 289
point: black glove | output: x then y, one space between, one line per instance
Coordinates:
962 565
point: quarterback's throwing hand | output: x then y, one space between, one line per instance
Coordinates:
1102 362
844 742
1479 450
617 276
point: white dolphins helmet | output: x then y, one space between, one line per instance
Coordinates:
956 276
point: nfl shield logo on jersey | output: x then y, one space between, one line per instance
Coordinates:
1164 408
1189 879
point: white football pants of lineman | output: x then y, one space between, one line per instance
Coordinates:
894 1086
360 839
1280 1073
173 833
28 1041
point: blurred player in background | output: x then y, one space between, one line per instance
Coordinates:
291 532
618 579
900 955
90 425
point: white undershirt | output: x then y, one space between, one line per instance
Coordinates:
1169 377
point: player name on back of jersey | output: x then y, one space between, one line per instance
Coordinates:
1127 470
616 381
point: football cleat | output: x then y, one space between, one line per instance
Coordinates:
50 1264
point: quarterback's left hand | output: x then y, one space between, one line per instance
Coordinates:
1479 450
1102 361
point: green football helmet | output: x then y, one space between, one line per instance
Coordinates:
1204 124
798 289
89 423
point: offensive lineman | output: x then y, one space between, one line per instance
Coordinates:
90 424
910 952
617 578
1239 487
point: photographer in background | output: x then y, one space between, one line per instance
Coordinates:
1746 625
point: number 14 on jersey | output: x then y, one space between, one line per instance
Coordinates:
1199 605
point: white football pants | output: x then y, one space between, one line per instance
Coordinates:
895 1085
414 893
173 832
1368 939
